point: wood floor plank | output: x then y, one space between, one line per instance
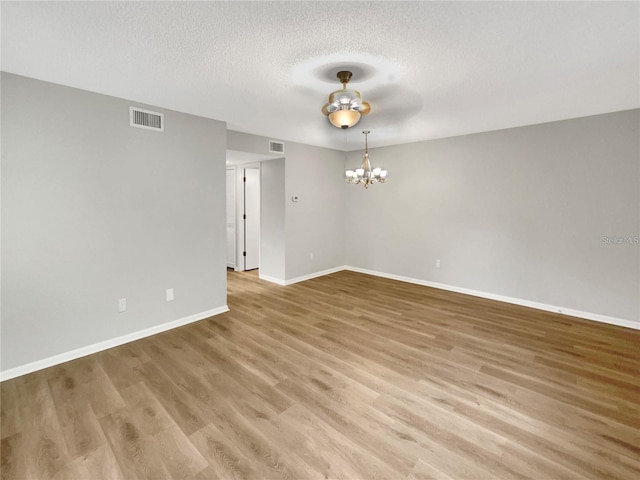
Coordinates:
341 456
443 375
189 416
146 409
254 384
40 429
9 411
80 429
134 451
178 454
98 464
424 471
14 457
225 459
311 381
102 393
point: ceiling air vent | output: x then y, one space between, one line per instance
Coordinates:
276 147
145 119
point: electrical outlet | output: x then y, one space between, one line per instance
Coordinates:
169 294
311 256
122 305
438 263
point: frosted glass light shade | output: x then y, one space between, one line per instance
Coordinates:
344 118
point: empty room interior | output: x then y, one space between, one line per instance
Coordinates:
310 240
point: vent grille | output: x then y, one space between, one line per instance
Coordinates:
276 147
146 119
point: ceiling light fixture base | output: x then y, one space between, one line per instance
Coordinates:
345 106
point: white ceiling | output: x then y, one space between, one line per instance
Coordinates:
429 69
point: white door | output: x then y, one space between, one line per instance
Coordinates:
231 217
251 218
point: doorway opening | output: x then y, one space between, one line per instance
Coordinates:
255 213
243 217
251 217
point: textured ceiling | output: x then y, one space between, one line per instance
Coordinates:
429 69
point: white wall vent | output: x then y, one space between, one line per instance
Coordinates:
145 119
276 147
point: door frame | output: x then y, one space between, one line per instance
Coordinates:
256 169
233 194
240 211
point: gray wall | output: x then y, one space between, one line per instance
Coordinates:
519 212
247 142
94 210
272 219
315 223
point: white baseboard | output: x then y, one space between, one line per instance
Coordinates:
272 279
114 342
502 298
302 278
621 322
314 275
100 346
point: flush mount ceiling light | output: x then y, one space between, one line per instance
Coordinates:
365 174
345 106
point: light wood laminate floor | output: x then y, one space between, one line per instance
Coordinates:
313 381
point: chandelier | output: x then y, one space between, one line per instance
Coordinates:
365 174
345 106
